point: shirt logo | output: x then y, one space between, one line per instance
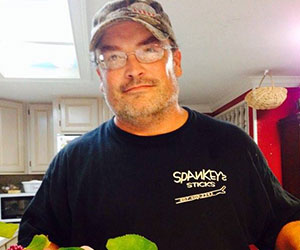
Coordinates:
201 195
200 179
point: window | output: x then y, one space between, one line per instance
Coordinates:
36 40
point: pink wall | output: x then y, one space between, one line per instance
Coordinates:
267 131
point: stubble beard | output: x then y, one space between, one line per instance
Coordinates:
144 107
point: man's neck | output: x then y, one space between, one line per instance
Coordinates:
167 121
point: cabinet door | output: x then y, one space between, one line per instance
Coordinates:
41 137
78 115
11 137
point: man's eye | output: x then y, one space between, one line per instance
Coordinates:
150 50
113 57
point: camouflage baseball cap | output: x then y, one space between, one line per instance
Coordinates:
147 12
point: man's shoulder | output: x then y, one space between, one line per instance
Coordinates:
207 121
221 131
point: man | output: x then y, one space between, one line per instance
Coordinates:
177 177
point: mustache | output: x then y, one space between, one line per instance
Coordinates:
137 82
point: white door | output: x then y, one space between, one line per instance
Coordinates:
41 137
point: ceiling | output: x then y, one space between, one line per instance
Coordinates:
226 47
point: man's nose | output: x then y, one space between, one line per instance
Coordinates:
134 69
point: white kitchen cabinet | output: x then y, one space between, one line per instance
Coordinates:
40 142
11 137
78 114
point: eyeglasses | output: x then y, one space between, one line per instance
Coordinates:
117 59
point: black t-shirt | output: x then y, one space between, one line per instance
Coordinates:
203 186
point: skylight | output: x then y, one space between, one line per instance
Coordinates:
36 40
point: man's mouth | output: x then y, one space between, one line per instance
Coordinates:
137 88
138 85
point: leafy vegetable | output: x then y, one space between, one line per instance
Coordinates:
130 242
125 242
39 242
7 230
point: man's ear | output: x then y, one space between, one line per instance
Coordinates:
177 63
101 87
99 73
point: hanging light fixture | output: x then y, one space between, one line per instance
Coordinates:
269 97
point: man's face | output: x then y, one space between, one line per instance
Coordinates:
138 90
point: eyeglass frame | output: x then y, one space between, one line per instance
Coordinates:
133 52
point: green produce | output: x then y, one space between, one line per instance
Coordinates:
130 242
125 242
7 230
39 242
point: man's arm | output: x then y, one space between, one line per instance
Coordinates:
289 237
